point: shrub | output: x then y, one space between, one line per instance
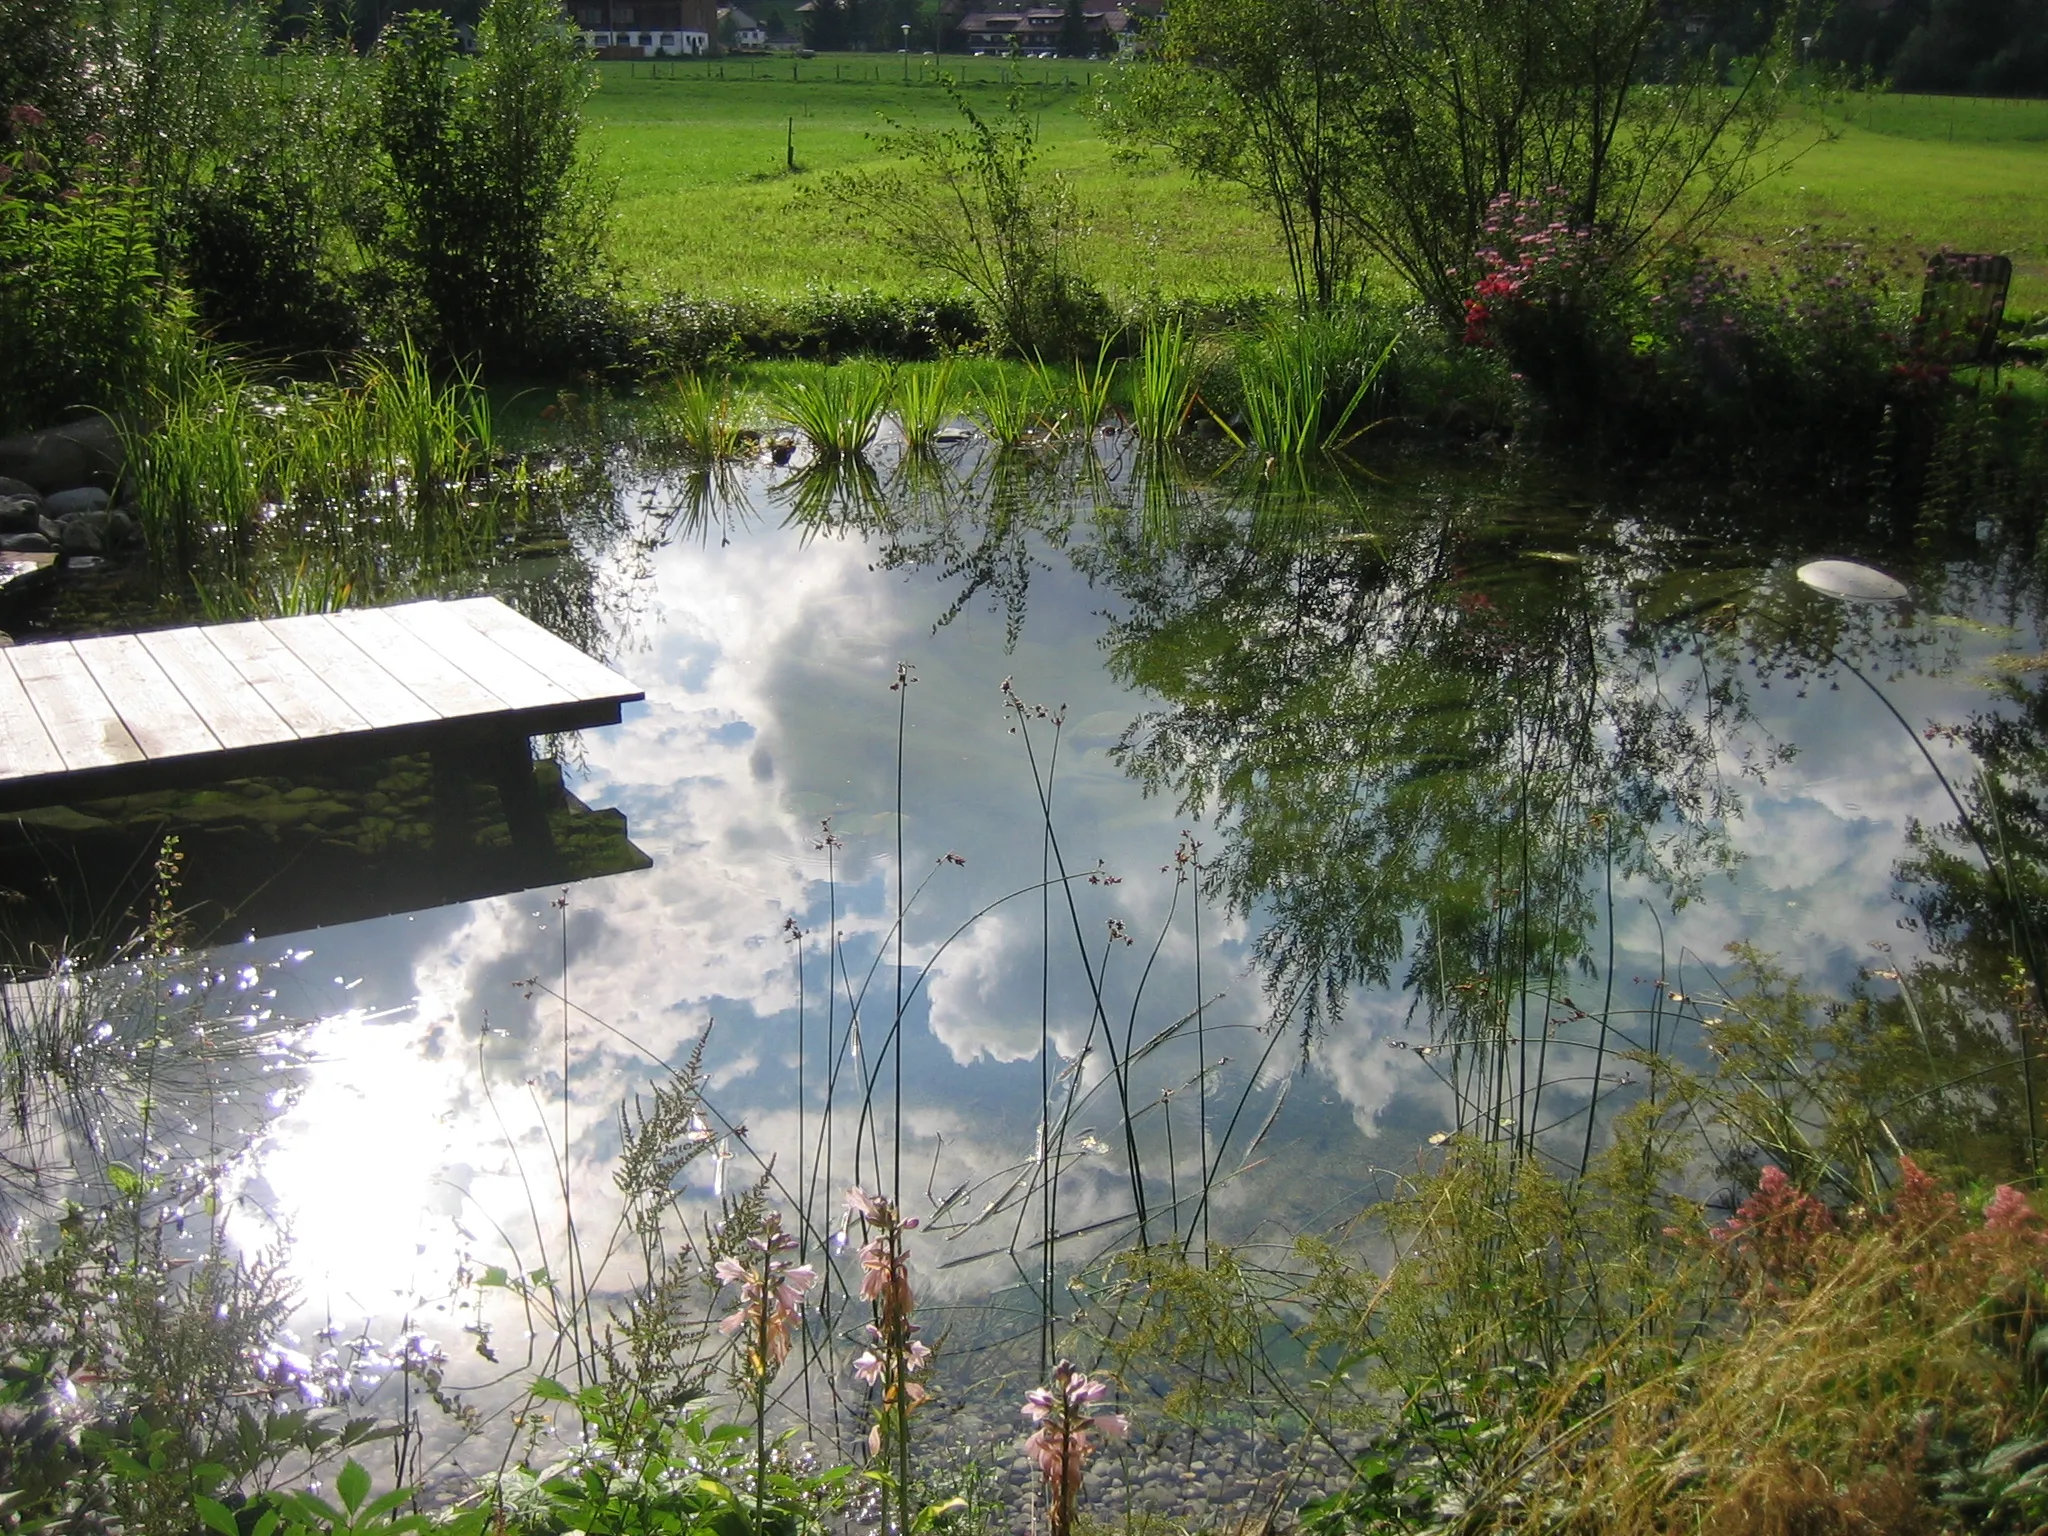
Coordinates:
83 310
498 209
1793 363
269 242
976 209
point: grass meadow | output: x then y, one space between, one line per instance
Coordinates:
707 204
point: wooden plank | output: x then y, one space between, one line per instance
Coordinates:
483 659
82 724
162 720
430 676
546 653
287 684
233 711
370 690
25 747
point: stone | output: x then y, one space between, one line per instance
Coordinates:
24 544
85 498
98 533
50 529
9 486
84 452
21 514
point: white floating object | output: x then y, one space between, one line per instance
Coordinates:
1847 579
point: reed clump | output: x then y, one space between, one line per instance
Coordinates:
1014 407
1305 383
704 417
388 452
926 398
1163 384
838 410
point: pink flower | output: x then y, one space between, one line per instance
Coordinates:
2011 1212
1062 1444
771 1298
1777 1228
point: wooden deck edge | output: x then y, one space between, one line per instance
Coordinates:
201 768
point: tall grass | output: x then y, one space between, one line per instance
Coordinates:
1304 381
1163 386
1011 406
1092 387
389 455
925 400
837 409
704 417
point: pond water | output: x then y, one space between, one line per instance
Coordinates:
1215 806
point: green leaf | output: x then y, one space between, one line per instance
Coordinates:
353 1485
383 1504
932 1514
549 1390
495 1276
125 1179
267 1525
218 1516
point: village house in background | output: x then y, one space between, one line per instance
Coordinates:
647 29
1035 30
736 29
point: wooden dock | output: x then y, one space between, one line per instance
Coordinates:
468 681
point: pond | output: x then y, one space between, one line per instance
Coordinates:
1251 834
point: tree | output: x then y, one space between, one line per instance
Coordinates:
1393 126
1074 32
498 207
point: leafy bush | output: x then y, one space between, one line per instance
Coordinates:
682 331
270 241
499 210
84 314
1793 362
975 208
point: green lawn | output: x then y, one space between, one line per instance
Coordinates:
706 205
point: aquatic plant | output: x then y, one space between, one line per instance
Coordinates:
924 400
1303 383
838 409
1011 406
1091 386
388 458
1163 385
702 414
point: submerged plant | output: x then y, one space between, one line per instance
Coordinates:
838 409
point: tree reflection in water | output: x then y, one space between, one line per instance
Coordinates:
1427 733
